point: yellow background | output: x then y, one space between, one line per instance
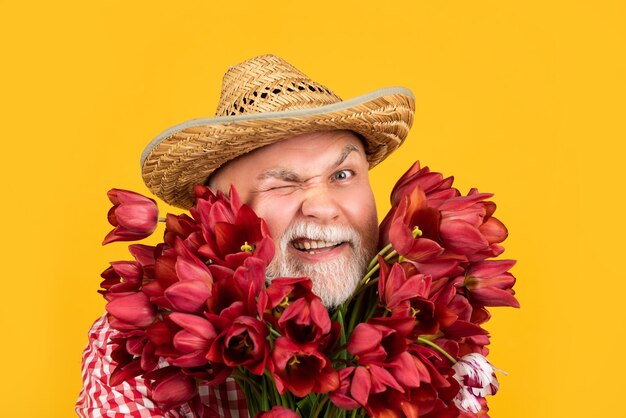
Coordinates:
524 99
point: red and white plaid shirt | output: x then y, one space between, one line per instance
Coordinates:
130 399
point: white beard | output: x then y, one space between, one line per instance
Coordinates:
334 281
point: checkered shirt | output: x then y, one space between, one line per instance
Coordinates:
130 399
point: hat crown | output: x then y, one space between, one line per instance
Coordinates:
267 83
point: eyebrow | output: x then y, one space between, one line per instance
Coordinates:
280 174
290 176
344 154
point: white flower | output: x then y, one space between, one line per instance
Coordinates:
465 401
477 379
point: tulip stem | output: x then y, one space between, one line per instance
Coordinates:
390 255
366 286
239 375
278 400
342 336
274 332
436 347
370 274
355 313
374 269
319 407
265 405
381 252
375 259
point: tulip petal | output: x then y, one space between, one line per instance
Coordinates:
188 296
361 385
198 326
489 296
493 230
144 254
174 390
187 342
365 339
188 269
404 369
134 309
461 237
129 270
137 217
490 268
193 359
382 380
128 371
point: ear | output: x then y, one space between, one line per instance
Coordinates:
213 182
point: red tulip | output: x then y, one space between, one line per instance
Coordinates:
131 311
145 255
462 228
193 341
188 296
433 184
179 226
467 226
282 292
242 344
231 231
431 402
396 291
380 340
172 388
125 372
120 277
391 403
373 388
384 364
301 370
240 286
490 284
134 216
419 248
161 335
194 288
305 321
341 396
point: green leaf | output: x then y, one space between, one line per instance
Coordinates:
265 404
342 337
304 407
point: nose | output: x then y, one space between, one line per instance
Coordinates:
320 204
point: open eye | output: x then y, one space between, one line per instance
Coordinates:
342 175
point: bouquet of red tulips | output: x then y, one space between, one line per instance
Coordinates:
196 308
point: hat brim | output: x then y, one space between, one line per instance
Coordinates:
187 153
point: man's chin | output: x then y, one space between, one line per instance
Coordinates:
334 281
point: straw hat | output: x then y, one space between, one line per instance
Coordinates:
265 100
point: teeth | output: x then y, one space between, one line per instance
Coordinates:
308 245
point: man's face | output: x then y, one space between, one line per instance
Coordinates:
313 191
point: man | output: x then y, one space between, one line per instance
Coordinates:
299 156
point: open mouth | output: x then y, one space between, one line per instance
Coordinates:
314 246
